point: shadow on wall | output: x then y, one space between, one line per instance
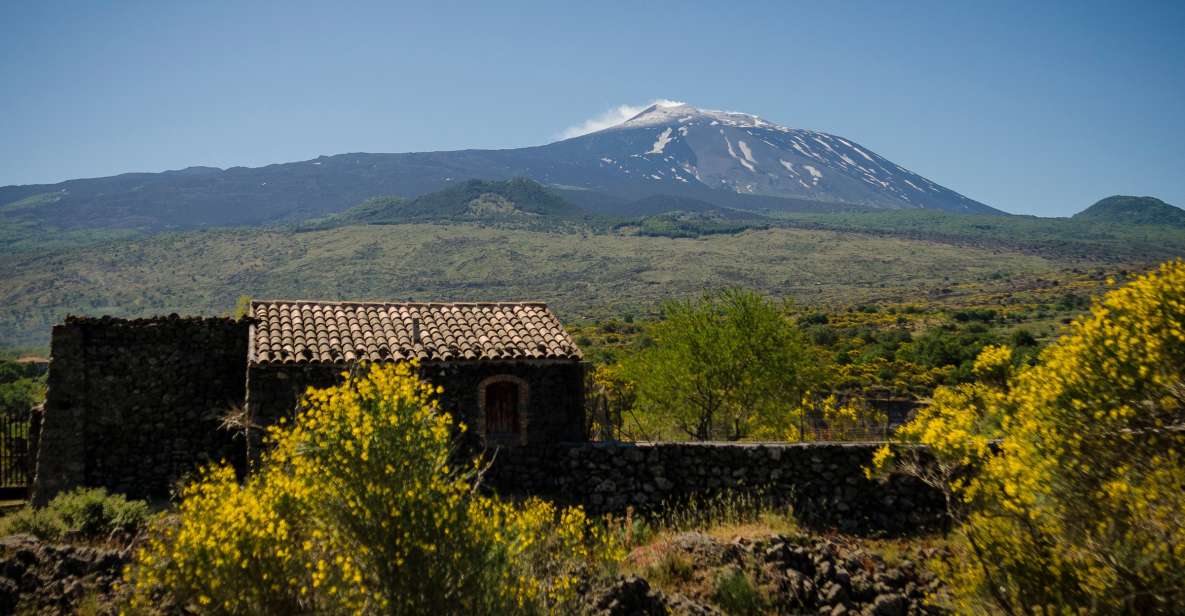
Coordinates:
824 482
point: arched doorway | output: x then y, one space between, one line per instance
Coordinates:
503 403
502 409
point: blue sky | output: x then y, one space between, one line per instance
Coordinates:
1033 107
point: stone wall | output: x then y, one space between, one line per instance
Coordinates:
824 482
554 410
134 405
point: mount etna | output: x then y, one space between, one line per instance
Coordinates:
666 204
725 159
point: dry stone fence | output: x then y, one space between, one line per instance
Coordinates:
824 482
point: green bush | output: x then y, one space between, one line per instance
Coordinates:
735 593
40 523
85 513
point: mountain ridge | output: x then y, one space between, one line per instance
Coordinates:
723 158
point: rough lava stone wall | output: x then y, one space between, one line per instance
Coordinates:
134 405
825 482
555 392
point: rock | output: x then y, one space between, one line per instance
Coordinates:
627 596
888 605
738 550
632 596
833 594
43 578
861 588
800 590
10 595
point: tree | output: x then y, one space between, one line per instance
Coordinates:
609 398
730 365
1077 495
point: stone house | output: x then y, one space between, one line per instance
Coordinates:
510 371
136 405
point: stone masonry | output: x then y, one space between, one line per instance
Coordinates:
824 482
135 405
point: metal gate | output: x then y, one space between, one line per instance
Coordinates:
16 460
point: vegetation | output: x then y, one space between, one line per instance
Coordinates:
696 224
1076 440
1079 505
1133 211
22 386
876 361
1053 237
589 275
84 514
742 555
723 367
374 208
361 506
517 200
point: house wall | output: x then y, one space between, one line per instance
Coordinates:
134 405
553 411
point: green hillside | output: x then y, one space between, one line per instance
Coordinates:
1056 237
1133 211
518 199
581 273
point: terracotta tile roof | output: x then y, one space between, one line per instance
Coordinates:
301 331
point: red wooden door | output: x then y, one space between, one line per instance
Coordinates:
502 408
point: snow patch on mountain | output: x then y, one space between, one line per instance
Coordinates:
746 151
746 164
661 143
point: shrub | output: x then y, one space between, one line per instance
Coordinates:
359 506
40 523
84 513
735 593
94 513
672 567
1081 504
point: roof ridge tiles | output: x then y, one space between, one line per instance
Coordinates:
299 302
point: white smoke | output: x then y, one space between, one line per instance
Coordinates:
612 117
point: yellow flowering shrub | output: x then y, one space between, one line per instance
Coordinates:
848 420
1083 506
358 507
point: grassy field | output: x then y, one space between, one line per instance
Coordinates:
583 275
1058 237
